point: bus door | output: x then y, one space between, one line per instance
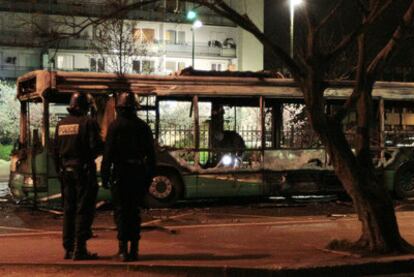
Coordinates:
29 159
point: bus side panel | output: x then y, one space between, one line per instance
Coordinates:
295 171
250 184
217 185
21 179
190 186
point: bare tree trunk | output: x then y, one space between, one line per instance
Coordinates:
372 202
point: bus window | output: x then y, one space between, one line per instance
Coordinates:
176 124
34 123
230 135
296 131
245 121
146 110
176 130
56 113
399 124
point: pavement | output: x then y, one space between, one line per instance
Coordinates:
206 242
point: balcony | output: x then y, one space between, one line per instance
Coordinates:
27 39
10 71
185 49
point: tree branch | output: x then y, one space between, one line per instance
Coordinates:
380 60
221 8
331 14
373 15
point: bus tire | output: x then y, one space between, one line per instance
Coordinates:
165 190
404 181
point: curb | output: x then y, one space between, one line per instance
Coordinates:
370 268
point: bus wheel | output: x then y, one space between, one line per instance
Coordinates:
166 188
404 181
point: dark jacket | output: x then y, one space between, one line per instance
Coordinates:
129 139
77 141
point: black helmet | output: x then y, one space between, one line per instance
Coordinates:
79 103
126 100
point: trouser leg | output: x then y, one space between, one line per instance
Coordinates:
69 211
87 192
120 212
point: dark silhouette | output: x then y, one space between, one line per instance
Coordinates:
130 150
77 144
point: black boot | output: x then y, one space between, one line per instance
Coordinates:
123 250
81 252
133 251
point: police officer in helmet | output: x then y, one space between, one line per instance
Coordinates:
77 144
129 150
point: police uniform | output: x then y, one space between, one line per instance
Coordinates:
129 149
78 143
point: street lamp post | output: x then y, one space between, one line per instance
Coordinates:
293 3
197 24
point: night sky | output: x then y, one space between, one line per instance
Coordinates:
277 22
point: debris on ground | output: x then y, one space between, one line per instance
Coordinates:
336 216
4 190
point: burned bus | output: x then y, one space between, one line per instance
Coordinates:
221 135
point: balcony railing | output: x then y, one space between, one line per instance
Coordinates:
10 71
201 49
27 39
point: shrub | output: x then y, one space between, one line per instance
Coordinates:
5 151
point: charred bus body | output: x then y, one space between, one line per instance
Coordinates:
217 136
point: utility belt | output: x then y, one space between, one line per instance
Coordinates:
74 165
132 162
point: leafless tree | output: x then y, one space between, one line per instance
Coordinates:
117 40
356 171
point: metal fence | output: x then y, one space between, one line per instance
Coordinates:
182 136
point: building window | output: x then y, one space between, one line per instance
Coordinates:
148 67
143 35
101 65
97 64
181 37
136 66
216 66
181 65
170 66
11 60
170 36
29 60
65 62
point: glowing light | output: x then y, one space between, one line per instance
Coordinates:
227 160
191 15
295 2
197 24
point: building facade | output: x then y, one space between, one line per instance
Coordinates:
27 29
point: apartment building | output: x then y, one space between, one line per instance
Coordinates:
169 38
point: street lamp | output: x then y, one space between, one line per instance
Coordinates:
293 3
191 15
197 24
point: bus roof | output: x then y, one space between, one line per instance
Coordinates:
42 83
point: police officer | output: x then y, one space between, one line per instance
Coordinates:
77 144
129 149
